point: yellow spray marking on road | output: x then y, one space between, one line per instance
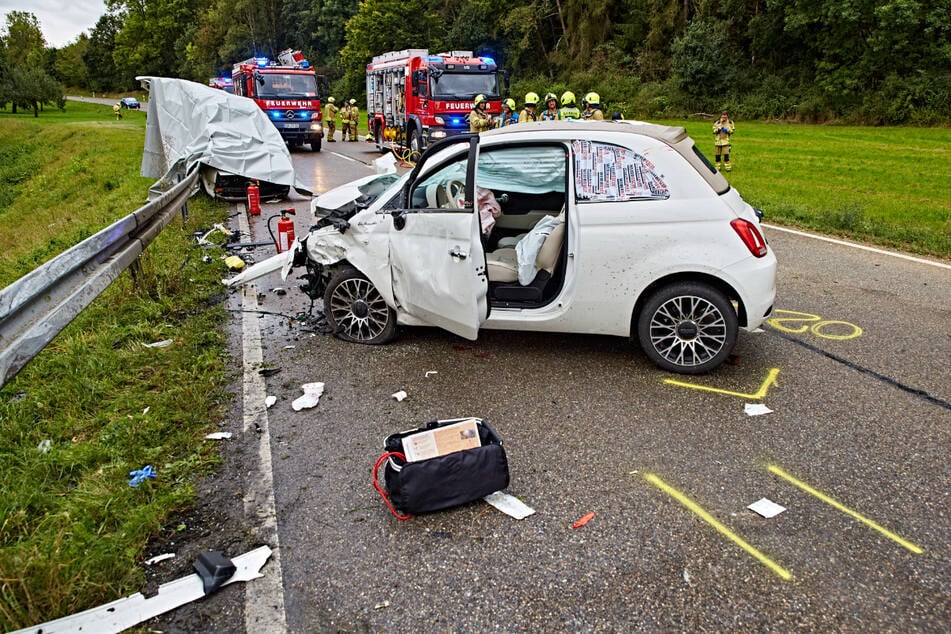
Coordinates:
769 382
723 530
778 321
825 498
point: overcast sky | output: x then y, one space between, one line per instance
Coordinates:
60 20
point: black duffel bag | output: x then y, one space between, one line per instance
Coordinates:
445 481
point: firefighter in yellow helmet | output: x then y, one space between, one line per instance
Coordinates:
569 109
722 131
479 119
117 110
508 116
330 118
592 107
530 110
551 112
354 119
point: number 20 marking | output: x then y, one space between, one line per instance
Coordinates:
814 324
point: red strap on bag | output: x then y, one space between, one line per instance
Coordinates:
376 483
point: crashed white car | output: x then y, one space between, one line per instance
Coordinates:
609 228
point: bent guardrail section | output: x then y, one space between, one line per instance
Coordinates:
36 307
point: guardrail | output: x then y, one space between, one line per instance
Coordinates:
36 307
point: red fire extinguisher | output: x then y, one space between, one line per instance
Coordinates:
254 199
285 230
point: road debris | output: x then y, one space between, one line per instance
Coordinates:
159 344
381 605
509 504
430 373
219 435
141 475
767 508
269 400
587 517
399 396
234 263
311 397
154 560
757 409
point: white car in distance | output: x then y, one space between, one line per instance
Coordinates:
613 228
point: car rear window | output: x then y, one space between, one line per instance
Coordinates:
607 172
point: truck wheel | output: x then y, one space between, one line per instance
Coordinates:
378 138
415 145
315 145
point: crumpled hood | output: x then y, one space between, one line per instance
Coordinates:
189 123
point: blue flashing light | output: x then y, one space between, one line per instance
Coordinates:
434 59
276 114
262 61
456 122
305 64
488 60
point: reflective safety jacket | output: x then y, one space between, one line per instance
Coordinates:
594 114
722 131
525 115
569 113
479 120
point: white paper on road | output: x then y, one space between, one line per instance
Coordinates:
311 397
756 409
189 123
510 505
767 508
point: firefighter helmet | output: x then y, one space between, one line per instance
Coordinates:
353 101
551 97
479 99
593 98
509 103
567 98
330 99
531 99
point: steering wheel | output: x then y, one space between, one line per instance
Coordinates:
455 191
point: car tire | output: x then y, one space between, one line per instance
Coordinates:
688 327
415 145
356 311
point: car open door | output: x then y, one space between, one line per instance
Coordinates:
437 257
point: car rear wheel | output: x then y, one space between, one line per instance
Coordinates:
356 311
689 327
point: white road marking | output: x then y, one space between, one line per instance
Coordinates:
895 254
264 601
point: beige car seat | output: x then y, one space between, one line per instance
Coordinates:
502 264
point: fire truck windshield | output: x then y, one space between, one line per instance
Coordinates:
286 85
464 86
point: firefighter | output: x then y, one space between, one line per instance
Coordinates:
530 111
509 116
592 107
479 119
330 118
722 130
569 109
550 113
354 119
117 109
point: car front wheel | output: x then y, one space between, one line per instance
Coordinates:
689 328
356 311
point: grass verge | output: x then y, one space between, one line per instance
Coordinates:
97 403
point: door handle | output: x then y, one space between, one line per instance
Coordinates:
457 253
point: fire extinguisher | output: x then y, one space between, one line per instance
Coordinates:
285 230
254 199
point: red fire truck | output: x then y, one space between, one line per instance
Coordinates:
415 98
288 91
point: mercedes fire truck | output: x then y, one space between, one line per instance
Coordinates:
289 91
415 98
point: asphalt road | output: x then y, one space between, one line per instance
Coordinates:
854 367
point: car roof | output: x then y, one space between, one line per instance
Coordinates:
674 136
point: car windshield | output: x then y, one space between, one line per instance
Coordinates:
286 85
465 86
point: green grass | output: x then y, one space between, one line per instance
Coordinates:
72 530
888 186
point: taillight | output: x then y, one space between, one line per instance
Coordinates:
750 236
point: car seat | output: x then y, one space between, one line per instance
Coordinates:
502 267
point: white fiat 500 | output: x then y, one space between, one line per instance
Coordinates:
614 228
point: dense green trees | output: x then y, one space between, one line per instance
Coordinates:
24 62
878 61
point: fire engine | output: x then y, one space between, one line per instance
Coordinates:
415 98
288 91
222 83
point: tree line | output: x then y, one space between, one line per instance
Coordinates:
862 61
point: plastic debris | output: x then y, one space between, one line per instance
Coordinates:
510 505
219 435
430 373
381 605
757 409
159 344
269 400
269 371
44 446
146 411
141 475
154 560
311 397
587 517
399 396
767 508
234 263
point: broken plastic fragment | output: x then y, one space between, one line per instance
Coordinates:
158 558
140 475
757 409
587 517
510 505
234 263
159 344
269 400
430 372
767 508
219 435
311 397
214 569
381 605
399 396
